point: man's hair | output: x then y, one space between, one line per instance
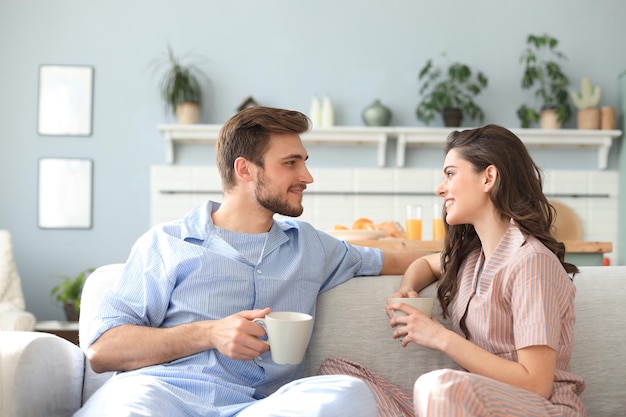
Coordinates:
247 135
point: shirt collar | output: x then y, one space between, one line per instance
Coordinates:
198 224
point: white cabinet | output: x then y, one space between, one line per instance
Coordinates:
600 140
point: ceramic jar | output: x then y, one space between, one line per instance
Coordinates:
376 114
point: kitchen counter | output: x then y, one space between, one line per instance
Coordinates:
577 252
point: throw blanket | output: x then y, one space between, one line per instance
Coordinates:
391 400
11 296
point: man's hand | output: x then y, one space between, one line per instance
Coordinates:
237 337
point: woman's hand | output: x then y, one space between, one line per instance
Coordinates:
400 294
415 326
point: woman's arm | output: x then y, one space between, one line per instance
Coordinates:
535 366
128 347
421 273
533 371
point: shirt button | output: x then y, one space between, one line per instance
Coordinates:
258 271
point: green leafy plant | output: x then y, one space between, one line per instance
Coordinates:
451 87
70 289
180 83
543 73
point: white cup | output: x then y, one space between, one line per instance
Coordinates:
423 304
288 335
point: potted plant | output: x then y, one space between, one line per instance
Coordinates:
180 89
69 291
450 91
586 101
543 73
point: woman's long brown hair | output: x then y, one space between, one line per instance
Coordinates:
517 194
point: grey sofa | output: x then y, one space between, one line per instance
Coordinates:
43 375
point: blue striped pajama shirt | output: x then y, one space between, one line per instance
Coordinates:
184 271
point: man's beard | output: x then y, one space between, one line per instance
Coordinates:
273 203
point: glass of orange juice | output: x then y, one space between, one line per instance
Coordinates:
439 231
413 222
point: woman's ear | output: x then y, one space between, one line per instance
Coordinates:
490 176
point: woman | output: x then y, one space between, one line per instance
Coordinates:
503 281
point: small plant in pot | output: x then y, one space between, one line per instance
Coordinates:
68 293
586 101
543 73
181 89
450 91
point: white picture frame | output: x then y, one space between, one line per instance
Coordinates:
65 100
65 193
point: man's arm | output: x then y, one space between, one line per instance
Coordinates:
397 262
128 347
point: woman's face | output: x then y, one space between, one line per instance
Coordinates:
463 190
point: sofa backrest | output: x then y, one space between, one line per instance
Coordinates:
91 298
600 335
351 323
97 283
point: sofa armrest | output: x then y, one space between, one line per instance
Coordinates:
17 320
42 375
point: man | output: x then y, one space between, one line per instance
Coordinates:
178 324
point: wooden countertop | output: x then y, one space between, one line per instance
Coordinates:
571 246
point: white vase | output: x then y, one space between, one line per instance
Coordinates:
315 113
328 113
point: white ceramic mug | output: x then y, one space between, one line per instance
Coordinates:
423 304
288 335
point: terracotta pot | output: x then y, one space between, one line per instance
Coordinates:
548 119
187 113
607 118
589 118
70 313
452 117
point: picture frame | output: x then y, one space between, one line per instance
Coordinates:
65 195
65 100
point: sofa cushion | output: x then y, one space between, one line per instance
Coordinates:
600 336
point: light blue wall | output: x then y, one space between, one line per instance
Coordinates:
281 52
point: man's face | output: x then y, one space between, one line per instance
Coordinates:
285 176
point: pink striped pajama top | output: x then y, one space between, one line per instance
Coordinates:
523 297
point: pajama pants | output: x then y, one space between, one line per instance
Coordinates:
146 396
452 393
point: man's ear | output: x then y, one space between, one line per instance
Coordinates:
490 177
243 169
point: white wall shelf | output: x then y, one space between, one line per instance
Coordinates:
601 140
199 133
